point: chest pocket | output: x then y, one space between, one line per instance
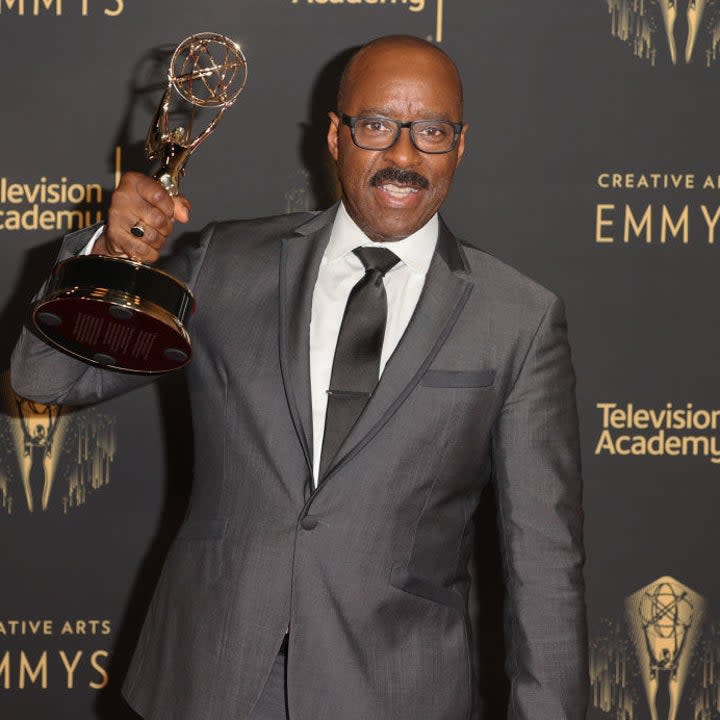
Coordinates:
457 378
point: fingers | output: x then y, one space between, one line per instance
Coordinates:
139 199
141 202
134 249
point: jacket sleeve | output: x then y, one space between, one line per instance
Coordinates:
41 373
536 461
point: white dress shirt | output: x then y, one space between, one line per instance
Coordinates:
340 269
91 242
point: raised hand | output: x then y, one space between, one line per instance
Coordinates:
141 217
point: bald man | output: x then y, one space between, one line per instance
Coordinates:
373 374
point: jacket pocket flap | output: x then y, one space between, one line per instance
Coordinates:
458 378
401 579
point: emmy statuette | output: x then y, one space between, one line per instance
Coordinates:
116 312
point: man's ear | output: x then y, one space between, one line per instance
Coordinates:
332 135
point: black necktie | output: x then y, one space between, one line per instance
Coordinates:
356 364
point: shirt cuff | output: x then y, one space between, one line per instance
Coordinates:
87 250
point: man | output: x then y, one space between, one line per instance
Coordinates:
331 521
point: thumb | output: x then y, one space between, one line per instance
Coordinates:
182 208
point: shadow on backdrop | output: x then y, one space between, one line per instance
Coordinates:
313 152
486 609
148 81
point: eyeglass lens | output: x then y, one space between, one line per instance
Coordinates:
381 133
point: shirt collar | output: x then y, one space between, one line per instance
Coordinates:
415 250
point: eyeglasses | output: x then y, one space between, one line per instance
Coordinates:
379 133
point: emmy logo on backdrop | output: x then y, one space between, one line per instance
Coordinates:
664 619
38 425
694 12
53 458
117 312
637 23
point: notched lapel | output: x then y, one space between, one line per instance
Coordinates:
299 263
447 288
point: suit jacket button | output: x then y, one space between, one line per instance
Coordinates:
309 522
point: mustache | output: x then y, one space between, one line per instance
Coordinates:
400 177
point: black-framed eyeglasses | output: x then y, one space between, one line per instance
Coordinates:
380 133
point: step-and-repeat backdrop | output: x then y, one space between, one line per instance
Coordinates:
593 165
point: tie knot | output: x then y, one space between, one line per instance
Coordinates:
377 258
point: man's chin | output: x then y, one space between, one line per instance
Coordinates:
390 232
386 224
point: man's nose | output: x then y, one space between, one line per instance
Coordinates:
403 152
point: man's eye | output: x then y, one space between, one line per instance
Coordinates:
376 126
434 132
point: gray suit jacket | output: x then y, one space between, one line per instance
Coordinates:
369 570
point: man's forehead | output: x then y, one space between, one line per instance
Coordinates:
401 74
420 94
398 110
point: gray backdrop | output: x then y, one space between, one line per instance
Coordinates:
591 166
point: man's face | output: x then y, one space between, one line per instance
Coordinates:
400 83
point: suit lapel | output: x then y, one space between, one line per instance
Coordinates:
299 263
441 301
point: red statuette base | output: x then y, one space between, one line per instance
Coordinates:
113 330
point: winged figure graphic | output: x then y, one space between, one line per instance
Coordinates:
51 456
652 27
